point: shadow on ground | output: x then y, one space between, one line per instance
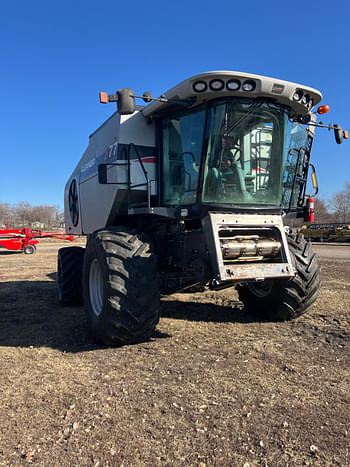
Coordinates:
31 316
10 252
207 312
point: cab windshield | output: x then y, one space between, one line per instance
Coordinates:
247 151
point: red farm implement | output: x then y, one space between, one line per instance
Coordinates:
26 239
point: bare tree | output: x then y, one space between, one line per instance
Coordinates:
340 204
322 215
23 214
59 217
347 190
5 211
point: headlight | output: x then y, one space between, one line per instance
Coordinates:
249 86
310 104
200 86
216 85
233 85
297 95
305 99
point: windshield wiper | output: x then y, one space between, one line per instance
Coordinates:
254 106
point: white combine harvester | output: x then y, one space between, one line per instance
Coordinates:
193 189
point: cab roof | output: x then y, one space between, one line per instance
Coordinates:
213 84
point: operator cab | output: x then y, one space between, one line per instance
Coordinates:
230 139
232 151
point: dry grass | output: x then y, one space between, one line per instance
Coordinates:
213 387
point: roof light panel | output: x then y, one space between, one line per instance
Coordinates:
237 84
210 85
217 85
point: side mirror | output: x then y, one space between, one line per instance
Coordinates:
126 101
338 133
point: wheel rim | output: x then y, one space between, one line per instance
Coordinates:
96 287
261 289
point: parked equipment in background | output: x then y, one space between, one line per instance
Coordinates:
26 239
329 232
194 190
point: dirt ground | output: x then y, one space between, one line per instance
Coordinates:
214 387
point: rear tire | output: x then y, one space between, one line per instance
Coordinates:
282 299
121 287
69 275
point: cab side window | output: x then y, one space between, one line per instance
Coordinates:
182 149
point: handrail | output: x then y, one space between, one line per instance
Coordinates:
295 177
147 183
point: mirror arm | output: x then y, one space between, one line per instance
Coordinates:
339 133
163 98
321 125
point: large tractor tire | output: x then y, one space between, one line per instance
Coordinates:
70 275
283 299
121 287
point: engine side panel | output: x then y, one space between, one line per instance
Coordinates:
251 235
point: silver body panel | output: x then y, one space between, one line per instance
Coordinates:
96 200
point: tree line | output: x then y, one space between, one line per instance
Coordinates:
336 209
23 214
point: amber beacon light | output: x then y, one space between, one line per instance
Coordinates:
323 109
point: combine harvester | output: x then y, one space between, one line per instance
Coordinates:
194 190
26 239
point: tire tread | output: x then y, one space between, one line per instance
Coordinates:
288 299
132 301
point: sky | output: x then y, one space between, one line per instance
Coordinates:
56 56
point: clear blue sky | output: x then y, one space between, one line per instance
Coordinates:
57 55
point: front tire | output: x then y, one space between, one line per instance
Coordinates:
282 299
121 288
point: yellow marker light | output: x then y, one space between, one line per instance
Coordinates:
314 181
323 109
